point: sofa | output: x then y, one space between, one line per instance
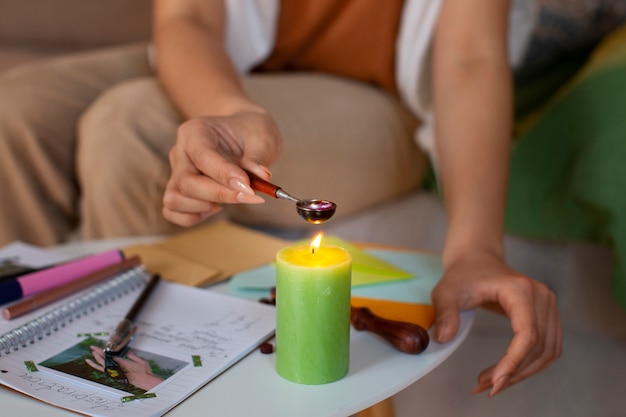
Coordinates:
586 381
33 29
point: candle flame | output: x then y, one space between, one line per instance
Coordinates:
315 244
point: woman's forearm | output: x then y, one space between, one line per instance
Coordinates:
473 108
191 59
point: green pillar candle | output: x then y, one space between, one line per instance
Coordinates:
313 313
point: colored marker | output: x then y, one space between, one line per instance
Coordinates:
39 281
9 269
28 304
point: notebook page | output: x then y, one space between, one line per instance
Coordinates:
177 323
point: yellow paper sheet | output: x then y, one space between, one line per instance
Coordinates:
368 269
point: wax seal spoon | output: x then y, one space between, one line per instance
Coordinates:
313 210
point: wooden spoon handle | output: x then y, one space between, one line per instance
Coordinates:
263 186
406 337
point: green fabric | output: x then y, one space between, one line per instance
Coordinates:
531 93
568 169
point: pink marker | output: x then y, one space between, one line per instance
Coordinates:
36 282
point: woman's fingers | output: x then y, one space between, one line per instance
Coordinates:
536 344
547 351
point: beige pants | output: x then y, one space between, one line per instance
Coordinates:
84 142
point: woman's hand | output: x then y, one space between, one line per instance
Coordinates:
208 163
484 279
226 131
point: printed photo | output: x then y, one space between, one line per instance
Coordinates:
135 373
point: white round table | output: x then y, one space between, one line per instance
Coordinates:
252 387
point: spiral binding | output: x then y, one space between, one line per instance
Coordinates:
58 317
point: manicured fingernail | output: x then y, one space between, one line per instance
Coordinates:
499 385
249 199
442 330
237 185
478 388
266 169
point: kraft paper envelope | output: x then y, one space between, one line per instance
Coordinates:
172 266
208 254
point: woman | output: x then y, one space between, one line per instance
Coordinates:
325 94
228 132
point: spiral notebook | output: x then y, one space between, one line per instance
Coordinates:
186 337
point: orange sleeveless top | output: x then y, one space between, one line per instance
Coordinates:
350 38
